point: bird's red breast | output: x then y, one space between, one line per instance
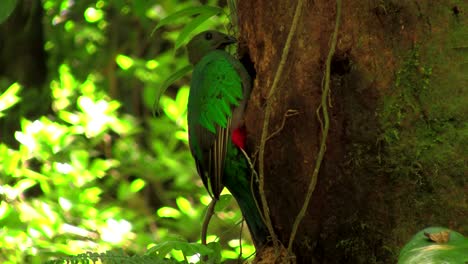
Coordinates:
238 137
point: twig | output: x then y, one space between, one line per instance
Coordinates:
325 128
254 176
239 260
206 221
289 113
266 121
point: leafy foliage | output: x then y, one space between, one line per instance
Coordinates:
99 171
203 13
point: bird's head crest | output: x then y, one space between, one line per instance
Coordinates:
205 42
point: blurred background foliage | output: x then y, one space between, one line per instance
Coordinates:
84 164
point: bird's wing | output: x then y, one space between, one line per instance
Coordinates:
216 89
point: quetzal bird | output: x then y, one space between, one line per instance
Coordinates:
219 92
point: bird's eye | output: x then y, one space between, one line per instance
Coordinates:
208 36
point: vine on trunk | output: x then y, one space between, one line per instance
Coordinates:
325 125
264 137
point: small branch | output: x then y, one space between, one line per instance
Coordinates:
254 176
266 121
206 221
239 260
289 113
325 127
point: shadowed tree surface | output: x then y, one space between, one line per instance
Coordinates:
23 59
395 160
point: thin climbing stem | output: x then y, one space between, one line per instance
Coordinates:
266 121
206 221
254 177
325 127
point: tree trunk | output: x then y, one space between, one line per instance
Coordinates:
395 159
23 60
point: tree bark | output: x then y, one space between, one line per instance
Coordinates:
23 60
395 160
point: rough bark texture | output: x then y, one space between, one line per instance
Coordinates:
396 153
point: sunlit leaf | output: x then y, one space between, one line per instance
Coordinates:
182 136
79 158
185 206
24 184
5 209
93 15
9 98
137 185
191 26
90 195
187 12
69 117
168 212
205 200
124 62
182 98
65 203
151 64
11 160
229 254
170 108
170 80
67 81
34 175
115 231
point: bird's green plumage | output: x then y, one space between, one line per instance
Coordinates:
219 91
216 89
238 179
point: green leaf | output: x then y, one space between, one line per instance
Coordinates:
124 62
168 212
421 249
223 202
137 185
164 248
24 184
79 158
161 249
186 12
185 206
93 15
182 98
9 98
190 27
6 8
215 256
170 80
192 248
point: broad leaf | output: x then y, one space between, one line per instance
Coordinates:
190 11
223 202
6 8
435 245
191 27
170 80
